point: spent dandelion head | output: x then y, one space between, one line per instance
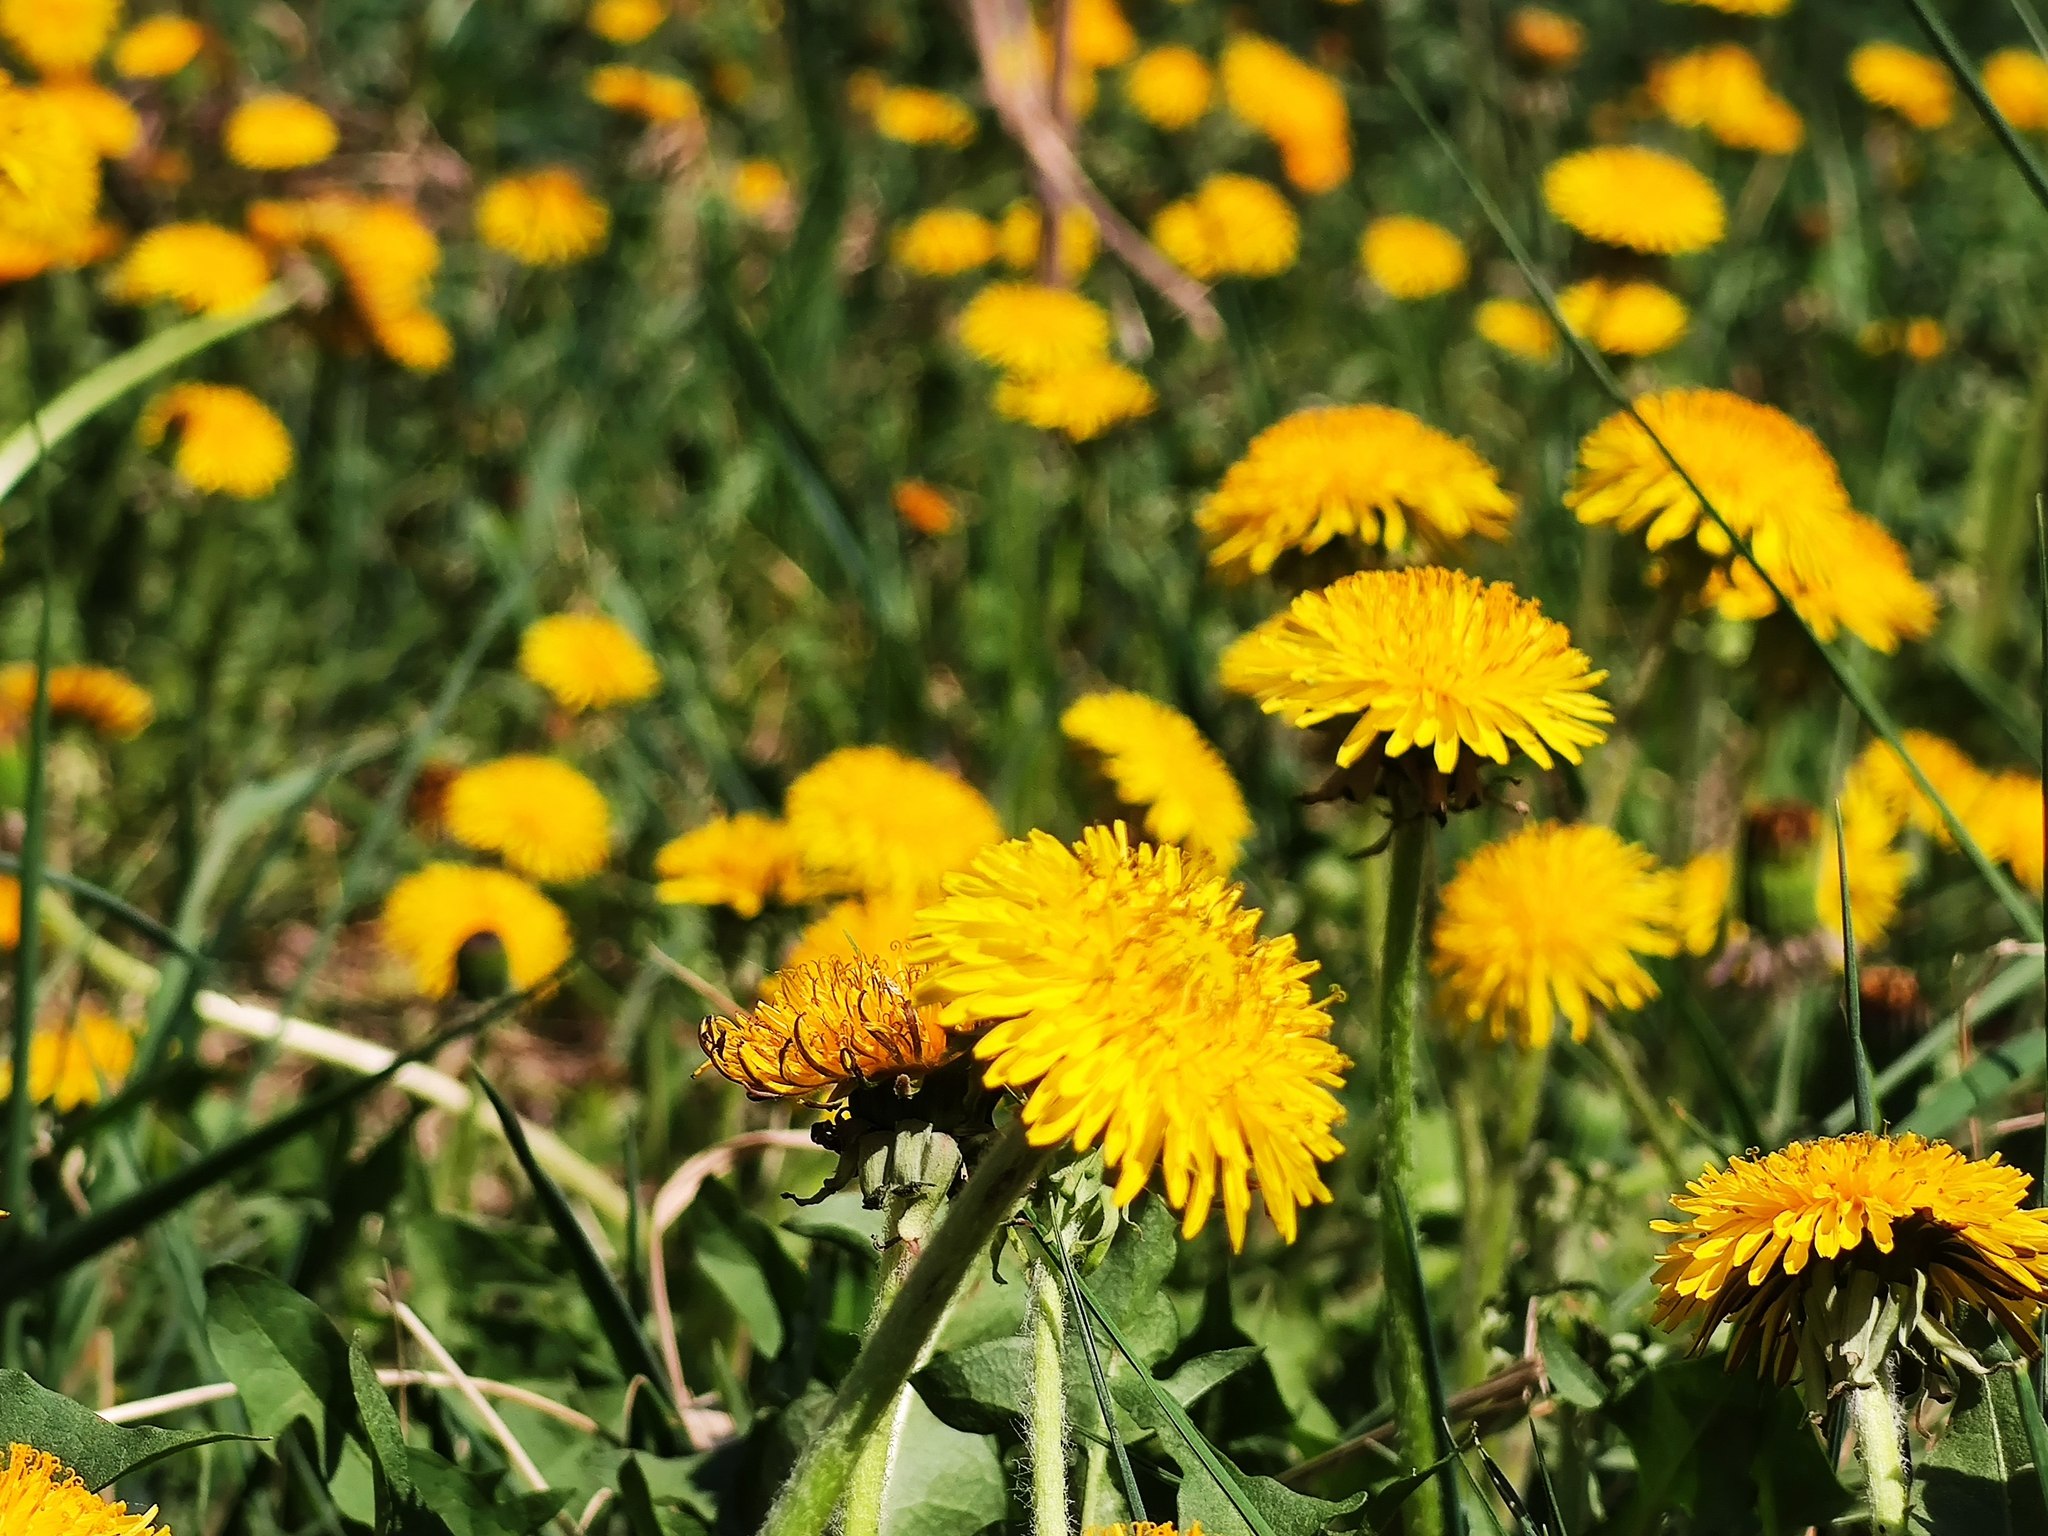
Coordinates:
871 821
1171 87
482 931
543 218
1082 401
278 131
587 661
1914 85
1412 258
1639 199
743 861
228 441
201 267
1156 758
542 817
828 1028
944 242
1030 328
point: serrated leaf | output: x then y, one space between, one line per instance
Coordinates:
99 1452
285 1358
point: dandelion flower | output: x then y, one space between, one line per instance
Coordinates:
742 861
1701 904
2016 80
645 93
587 661
1083 401
869 820
456 924
2010 812
1170 87
1098 35
1878 867
1636 198
1778 1244
1544 38
1742 7
10 912
1722 89
201 267
1412 258
1233 226
59 37
1427 659
1296 105
1518 328
415 338
110 702
158 46
878 925
228 441
1924 339
1021 237
279 132
1368 472
1030 328
912 115
41 1496
1631 319
1911 84
625 22
944 242
1154 757
108 122
1841 571
761 190
1552 920
924 507
74 1061
543 218
541 816
1952 771
51 187
830 1026
387 256
1130 994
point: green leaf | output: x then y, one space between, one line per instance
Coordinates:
382 1433
944 1483
286 1359
1570 1377
456 1502
1281 1510
2001 992
1994 1074
979 1389
99 1452
1979 1478
644 1516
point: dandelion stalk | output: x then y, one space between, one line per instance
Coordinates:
1879 1438
1048 1426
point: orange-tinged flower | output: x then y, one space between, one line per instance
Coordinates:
228 440
925 507
625 22
1545 38
111 702
74 1060
2016 80
829 1027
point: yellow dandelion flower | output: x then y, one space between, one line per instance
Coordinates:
1878 867
1544 38
924 507
645 93
762 191
1631 319
1030 328
944 242
1425 658
1144 1528
2010 813
1130 994
878 925
22 259
1156 758
829 1027
1924 339
10 912
2016 80
1742 7
538 814
228 440
1296 105
108 122
1552 920
74 1060
1636 198
158 46
1368 472
1098 36
415 338
387 257
625 22
201 267
742 861
278 131
110 702
1171 87
1700 907
1412 258
868 820
586 661
51 188
543 218
41 1496
1722 89
59 37
481 929
1021 236
1771 1244
1952 771
1233 226
910 114
1911 84
1518 328
1083 401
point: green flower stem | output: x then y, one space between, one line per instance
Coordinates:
1875 1413
1490 1213
129 370
1048 1427
1653 1118
819 1480
1399 1003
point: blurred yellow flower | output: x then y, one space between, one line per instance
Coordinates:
21 259
105 119
924 507
543 218
742 861
587 661
1022 233
228 440
1367 472
1031 328
111 702
1878 867
1641 199
1296 105
10 912
414 338
74 1060
910 114
456 924
388 258
1083 400
878 925
542 817
1518 328
2010 816
278 132
625 22
1544 38
645 93
1156 759
2016 80
1098 36
1742 7
51 188
1882 774
1233 226
871 821
59 37
201 267
1412 258
1841 570
761 190
158 46
1924 339
1722 89
828 1027
1631 319
1911 84
1171 87
944 242
1701 907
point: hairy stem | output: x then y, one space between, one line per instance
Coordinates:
1048 1427
1878 1445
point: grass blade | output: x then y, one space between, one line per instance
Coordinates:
1852 990
1713 1050
1994 1074
1132 1496
1952 54
113 906
1417 1298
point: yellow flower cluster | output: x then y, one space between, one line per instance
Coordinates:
912 115
645 93
1627 319
1233 226
1053 348
1722 89
1296 105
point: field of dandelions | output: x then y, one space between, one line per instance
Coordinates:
1075 767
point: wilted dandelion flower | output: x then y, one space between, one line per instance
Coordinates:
944 242
52 183
1631 319
911 114
1171 87
1368 472
742 861
74 1060
1131 995
1030 328
1518 328
1700 907
158 46
1722 89
625 22
228 440
2016 80
924 507
110 702
543 218
829 1027
645 93
1911 84
1021 236
1083 401
201 267
1800 1249
538 814
1156 758
1233 226
869 820
1640 199
587 661
1412 258
481 929
1294 104
279 132
761 190
41 1496
1544 38
107 121
1554 919
59 37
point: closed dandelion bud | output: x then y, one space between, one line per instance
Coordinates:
482 969
1779 871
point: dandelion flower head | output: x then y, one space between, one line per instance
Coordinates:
75 1060
1879 866
1955 775
1841 571
1518 328
911 114
1020 237
1914 85
1701 905
434 918
2011 816
2016 80
742 861
1412 258
158 46
542 218
1083 401
925 507
645 93
871 821
1171 87
41 1496
1098 34
828 1027
587 661
1640 199
944 242
52 186
625 22
542 817
1030 328
109 702
279 132
59 37
109 124
200 267
1155 758
1627 319
761 190
1544 38
1297 106
229 442
1722 89
1233 226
